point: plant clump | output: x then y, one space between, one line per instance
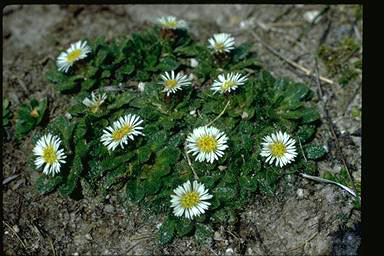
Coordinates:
201 158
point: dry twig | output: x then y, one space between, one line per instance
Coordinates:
290 62
222 112
190 164
315 178
333 133
14 232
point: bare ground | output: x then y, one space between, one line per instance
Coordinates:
304 217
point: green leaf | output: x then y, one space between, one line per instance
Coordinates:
309 115
105 74
142 75
168 64
220 216
241 51
135 190
295 115
187 51
56 76
296 92
152 185
210 180
22 127
225 193
42 106
169 155
68 85
166 231
157 140
306 132
144 153
267 180
90 73
121 100
77 109
184 226
152 55
102 56
314 151
88 84
252 63
70 183
115 178
161 168
30 115
148 113
127 69
46 184
112 162
203 234
248 183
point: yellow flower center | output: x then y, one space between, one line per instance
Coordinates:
72 56
96 106
228 84
123 131
169 24
190 199
34 113
49 155
170 84
207 143
219 46
278 149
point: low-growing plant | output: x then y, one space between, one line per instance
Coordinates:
29 116
337 60
343 178
150 166
6 112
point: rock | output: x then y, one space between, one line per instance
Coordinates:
141 86
88 236
300 193
109 208
194 63
217 236
229 251
312 16
16 229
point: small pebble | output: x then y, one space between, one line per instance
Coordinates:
194 63
88 236
16 228
229 251
312 16
300 193
141 86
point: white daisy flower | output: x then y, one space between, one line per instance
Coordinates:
226 83
77 51
207 143
48 153
95 102
190 199
280 147
121 130
172 83
170 22
222 42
